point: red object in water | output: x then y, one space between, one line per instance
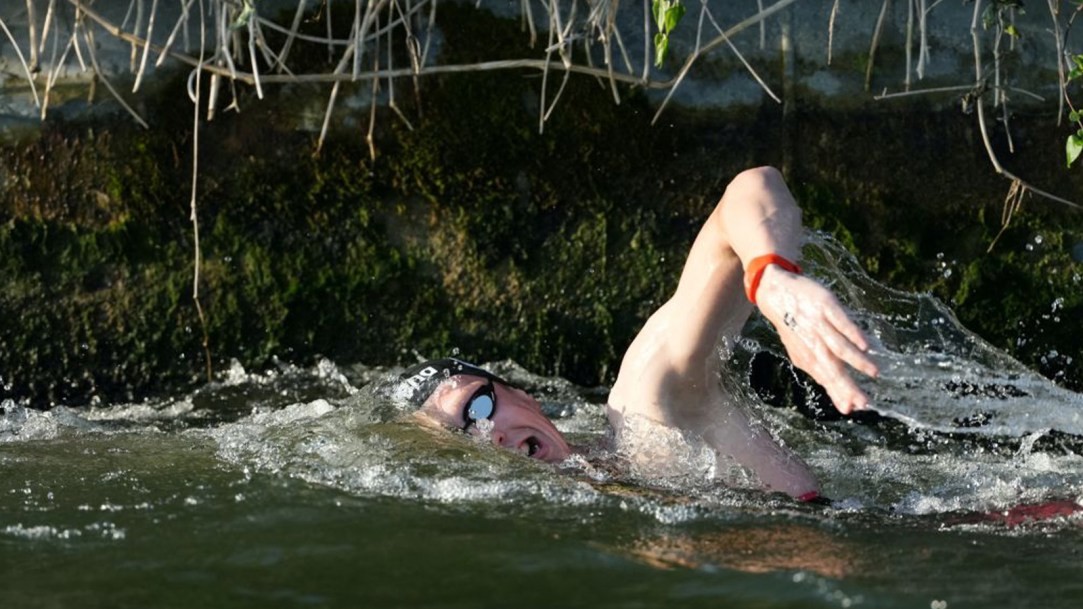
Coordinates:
1022 514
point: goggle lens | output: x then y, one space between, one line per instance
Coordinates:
481 406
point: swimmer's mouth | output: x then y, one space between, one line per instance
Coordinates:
533 448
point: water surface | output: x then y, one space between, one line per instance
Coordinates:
304 487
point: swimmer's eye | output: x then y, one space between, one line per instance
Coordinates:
481 405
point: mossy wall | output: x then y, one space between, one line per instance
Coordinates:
474 232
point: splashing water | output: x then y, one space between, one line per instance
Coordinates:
309 462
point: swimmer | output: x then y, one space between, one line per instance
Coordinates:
745 255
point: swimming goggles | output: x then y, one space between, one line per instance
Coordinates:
480 406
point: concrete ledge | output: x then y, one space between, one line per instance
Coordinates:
788 51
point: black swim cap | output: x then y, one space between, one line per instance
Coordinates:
418 382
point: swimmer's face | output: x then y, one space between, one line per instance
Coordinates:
517 421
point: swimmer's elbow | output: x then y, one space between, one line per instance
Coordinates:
757 192
761 174
756 179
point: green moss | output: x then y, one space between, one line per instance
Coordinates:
475 231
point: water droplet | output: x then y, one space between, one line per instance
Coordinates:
485 428
1038 239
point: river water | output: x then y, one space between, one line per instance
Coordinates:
298 487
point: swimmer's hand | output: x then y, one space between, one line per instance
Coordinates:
818 334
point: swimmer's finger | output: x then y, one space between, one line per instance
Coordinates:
830 372
855 358
847 327
841 347
845 393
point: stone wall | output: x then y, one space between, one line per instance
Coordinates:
471 230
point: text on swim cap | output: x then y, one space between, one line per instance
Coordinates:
418 379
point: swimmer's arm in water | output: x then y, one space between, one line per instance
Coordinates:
672 359
669 373
758 216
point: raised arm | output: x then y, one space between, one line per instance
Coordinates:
669 373
757 217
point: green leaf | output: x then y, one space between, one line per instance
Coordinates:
658 10
1075 73
673 16
1073 116
244 16
1073 147
1011 31
661 45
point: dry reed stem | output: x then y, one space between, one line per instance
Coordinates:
646 42
1063 60
1013 202
291 36
752 71
197 252
724 37
51 76
146 49
923 46
831 29
763 27
1054 12
909 42
875 43
182 20
32 23
22 60
50 13
951 89
373 19
88 36
979 78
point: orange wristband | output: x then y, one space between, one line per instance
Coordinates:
754 272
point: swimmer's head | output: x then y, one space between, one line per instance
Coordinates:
459 395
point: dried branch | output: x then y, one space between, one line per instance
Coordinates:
100 75
831 29
875 43
724 37
952 89
32 21
146 49
979 78
22 60
197 253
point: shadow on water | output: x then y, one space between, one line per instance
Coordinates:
303 487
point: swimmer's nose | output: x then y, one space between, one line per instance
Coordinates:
498 437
